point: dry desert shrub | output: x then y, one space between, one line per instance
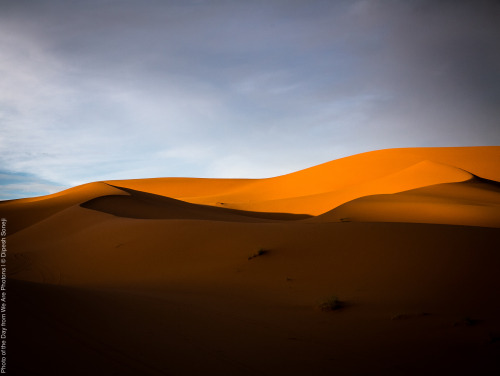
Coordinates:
261 252
331 304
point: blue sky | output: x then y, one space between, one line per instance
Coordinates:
95 90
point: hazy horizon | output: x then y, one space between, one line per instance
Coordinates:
101 90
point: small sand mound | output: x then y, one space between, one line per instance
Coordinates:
475 202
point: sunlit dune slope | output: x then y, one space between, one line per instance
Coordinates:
25 212
475 202
320 188
312 191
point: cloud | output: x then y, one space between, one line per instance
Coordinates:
16 185
101 90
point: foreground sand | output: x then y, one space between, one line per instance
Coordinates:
165 277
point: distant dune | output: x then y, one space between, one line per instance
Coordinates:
318 189
382 263
474 202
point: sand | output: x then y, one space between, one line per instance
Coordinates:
180 276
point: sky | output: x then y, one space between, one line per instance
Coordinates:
96 90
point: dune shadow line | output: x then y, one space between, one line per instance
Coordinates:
143 205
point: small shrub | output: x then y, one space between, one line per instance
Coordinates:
261 252
331 304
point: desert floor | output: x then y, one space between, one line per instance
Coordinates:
383 263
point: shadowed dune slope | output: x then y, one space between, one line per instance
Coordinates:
143 205
475 202
181 297
27 211
320 188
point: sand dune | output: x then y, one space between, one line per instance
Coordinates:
143 205
182 276
475 202
320 188
420 174
25 212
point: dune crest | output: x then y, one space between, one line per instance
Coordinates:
25 212
318 189
418 175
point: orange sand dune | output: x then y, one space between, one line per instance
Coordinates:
318 189
222 277
143 205
24 212
475 202
418 175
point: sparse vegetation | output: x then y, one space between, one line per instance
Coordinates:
261 252
332 304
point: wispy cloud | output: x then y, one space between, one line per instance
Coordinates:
16 185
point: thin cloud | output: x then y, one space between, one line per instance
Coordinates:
16 185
